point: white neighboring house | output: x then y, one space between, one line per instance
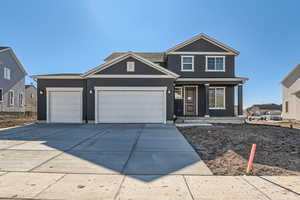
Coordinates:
291 95
12 82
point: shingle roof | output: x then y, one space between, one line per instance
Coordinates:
270 106
1 48
63 74
27 86
151 56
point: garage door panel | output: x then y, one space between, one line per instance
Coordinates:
65 107
131 106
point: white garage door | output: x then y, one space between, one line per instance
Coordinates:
131 106
64 106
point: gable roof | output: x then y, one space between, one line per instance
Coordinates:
127 55
2 49
207 38
151 56
292 75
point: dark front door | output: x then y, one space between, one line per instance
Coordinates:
190 100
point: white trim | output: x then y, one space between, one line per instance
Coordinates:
200 53
195 86
7 73
187 70
207 38
55 77
13 98
224 99
212 79
1 99
127 55
214 70
128 76
62 89
181 91
97 89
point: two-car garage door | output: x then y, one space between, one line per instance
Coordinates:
130 105
112 105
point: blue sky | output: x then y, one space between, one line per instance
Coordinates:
57 36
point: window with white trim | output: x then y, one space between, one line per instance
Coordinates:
1 94
286 106
187 63
11 97
215 63
130 66
216 98
6 73
21 99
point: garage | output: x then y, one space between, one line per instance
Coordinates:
64 105
130 104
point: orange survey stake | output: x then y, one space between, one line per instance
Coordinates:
251 158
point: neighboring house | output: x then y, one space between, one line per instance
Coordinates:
261 109
291 95
12 82
193 79
30 98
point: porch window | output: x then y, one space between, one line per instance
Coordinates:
215 63
216 98
178 93
187 63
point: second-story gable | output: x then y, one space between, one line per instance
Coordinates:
201 56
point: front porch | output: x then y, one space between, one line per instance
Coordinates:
210 101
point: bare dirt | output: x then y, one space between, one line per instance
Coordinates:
226 148
10 120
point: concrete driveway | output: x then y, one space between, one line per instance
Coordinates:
121 161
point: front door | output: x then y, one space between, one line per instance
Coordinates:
190 100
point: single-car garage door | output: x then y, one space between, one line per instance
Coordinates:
64 105
131 105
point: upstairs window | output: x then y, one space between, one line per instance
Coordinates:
215 63
6 73
187 63
216 98
11 97
286 106
1 94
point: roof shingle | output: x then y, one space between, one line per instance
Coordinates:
151 56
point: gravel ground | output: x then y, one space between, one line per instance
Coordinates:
15 120
226 148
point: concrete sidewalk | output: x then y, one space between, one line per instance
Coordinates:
19 185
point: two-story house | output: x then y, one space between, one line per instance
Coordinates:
193 79
12 82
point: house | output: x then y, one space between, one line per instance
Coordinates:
261 109
30 98
195 78
12 82
291 95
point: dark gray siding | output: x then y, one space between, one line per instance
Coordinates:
121 68
134 82
174 64
41 98
201 45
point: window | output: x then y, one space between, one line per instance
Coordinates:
178 93
130 66
6 73
286 106
11 97
187 63
1 94
21 99
216 98
31 95
215 63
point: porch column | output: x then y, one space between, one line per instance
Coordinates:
206 114
240 99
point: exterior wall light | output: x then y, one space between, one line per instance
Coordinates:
91 91
41 92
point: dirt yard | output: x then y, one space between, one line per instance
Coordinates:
226 148
294 124
10 120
